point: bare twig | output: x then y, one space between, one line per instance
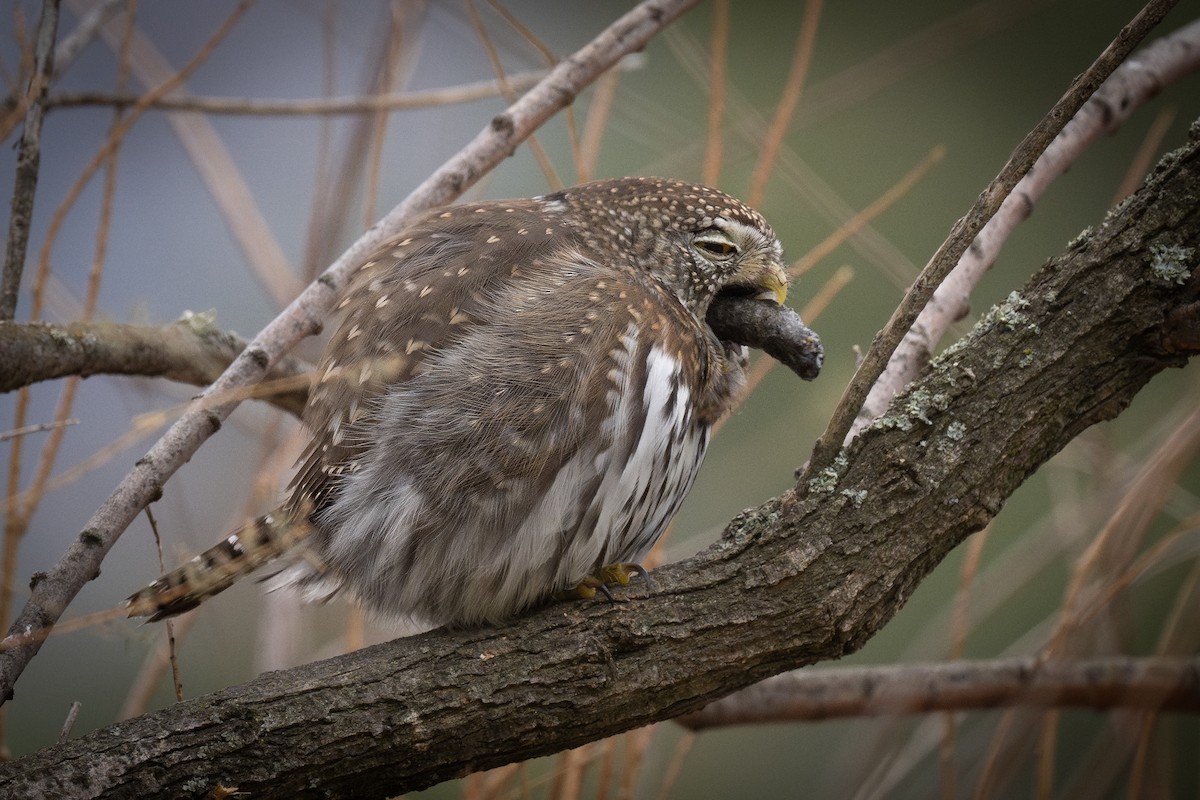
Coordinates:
967 228
216 167
1122 682
863 218
773 139
39 427
1151 142
112 142
303 316
314 107
599 113
535 147
342 173
69 722
962 29
65 53
394 70
551 58
172 656
28 158
718 54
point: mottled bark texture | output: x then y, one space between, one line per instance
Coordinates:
806 577
192 350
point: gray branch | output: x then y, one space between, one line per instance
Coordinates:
29 156
1152 684
192 350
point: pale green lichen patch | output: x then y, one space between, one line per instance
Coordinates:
1172 263
825 481
856 496
919 405
954 434
1010 313
921 402
892 421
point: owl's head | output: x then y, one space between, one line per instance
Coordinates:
695 241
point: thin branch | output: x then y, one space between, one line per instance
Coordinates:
39 427
192 350
69 722
28 159
773 140
321 106
718 54
1170 684
551 59
112 142
860 220
65 53
51 595
967 228
535 147
599 112
1151 142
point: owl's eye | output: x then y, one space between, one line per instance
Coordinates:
715 243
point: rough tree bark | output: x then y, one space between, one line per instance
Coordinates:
808 576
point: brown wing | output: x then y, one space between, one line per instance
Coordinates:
424 291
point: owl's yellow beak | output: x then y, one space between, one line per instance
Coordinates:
774 283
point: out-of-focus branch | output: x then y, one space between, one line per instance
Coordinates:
364 104
1171 684
28 159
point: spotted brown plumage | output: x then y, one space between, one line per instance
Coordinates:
519 393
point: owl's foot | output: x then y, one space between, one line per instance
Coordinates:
612 574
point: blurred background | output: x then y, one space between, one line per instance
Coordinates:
234 212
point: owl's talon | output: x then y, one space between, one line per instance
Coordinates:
620 574
615 574
590 586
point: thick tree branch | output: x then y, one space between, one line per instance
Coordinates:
192 350
1156 683
793 582
57 587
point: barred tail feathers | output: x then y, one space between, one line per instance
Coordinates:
220 566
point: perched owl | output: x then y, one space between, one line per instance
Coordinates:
519 395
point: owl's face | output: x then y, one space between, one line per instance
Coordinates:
729 256
695 241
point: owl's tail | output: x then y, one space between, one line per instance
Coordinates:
220 566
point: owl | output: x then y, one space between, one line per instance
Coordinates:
515 404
